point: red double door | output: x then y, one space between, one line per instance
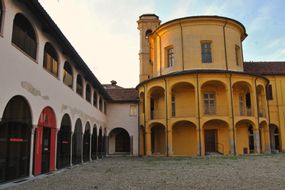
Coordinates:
45 139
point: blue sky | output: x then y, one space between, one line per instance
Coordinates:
105 34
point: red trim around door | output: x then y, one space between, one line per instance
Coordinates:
47 119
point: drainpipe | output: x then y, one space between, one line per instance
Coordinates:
166 117
139 129
225 45
182 46
233 115
199 123
268 114
144 139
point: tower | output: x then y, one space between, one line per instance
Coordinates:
147 23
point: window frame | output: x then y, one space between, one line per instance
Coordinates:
28 33
170 56
53 60
88 99
95 100
64 74
206 54
77 77
173 106
210 109
238 55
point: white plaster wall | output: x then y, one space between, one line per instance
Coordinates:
119 117
20 75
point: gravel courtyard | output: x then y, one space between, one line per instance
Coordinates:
247 172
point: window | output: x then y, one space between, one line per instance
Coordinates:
100 104
173 106
206 52
238 56
88 93
95 101
105 107
269 92
51 59
133 110
170 57
148 33
1 15
79 85
241 104
67 75
24 36
209 103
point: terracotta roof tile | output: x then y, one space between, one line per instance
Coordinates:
123 94
265 68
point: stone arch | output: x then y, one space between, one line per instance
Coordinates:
64 142
156 102
245 140
119 141
184 138
158 139
243 98
183 100
214 98
275 138
86 142
15 132
215 135
77 143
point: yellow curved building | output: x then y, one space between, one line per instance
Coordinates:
195 96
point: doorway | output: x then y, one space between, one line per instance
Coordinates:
46 150
210 140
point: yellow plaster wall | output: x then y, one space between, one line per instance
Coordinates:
242 140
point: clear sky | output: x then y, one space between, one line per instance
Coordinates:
104 32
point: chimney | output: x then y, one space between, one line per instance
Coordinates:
113 82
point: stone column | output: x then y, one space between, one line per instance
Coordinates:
71 149
170 144
148 143
256 137
231 141
198 142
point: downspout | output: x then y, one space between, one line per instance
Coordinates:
225 45
268 113
199 123
233 115
139 129
182 46
144 138
166 117
257 106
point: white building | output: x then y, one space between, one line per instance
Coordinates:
52 106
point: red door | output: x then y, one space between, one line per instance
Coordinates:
44 160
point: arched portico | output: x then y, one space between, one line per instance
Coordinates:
45 139
86 143
246 141
275 138
119 141
94 147
158 139
184 139
77 143
215 136
15 135
64 143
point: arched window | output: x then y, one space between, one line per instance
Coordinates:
88 93
79 85
95 99
67 75
100 104
51 59
24 35
1 15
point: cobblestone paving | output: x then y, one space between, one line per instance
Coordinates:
122 173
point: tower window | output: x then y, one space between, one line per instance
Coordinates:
206 52
170 57
148 33
238 56
24 36
51 59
